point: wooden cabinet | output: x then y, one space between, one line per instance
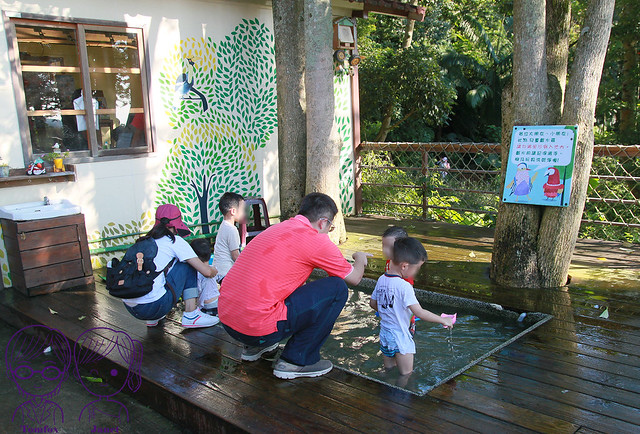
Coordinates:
48 255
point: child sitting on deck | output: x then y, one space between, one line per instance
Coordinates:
227 247
207 286
395 301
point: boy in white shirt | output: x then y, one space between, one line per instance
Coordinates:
207 286
395 301
227 247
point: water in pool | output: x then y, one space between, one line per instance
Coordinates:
353 344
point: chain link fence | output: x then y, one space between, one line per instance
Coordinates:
460 183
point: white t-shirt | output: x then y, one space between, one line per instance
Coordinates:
167 250
78 104
227 240
394 295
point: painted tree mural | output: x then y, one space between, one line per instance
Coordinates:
343 121
222 125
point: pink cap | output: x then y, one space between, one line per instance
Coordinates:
453 318
172 213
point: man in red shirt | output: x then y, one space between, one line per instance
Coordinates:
264 298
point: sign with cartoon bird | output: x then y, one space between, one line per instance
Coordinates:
540 165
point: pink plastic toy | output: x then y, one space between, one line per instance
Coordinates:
453 318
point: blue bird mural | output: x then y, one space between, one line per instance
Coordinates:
185 85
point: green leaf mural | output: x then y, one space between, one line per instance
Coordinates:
220 127
220 100
343 122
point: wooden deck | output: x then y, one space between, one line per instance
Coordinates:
577 373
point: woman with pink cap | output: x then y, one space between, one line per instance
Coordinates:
180 280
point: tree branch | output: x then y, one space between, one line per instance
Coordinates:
404 118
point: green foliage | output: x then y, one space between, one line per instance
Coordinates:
409 81
621 68
612 189
458 61
400 190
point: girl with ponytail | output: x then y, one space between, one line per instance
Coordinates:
180 280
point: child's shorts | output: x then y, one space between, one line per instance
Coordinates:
392 343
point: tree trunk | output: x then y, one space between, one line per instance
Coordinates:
385 126
288 25
408 29
203 200
559 226
629 90
626 29
514 261
558 27
323 141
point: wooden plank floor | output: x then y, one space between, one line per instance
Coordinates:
577 373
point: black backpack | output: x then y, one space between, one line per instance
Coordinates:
133 276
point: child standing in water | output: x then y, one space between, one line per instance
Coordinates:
389 238
395 301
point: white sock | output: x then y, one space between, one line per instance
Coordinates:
212 305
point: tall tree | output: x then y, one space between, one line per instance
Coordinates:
514 261
323 140
533 245
288 24
559 226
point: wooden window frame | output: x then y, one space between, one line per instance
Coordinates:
94 153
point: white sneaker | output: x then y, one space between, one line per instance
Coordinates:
197 318
154 322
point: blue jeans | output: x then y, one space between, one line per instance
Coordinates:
184 280
312 311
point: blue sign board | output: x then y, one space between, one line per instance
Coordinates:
540 165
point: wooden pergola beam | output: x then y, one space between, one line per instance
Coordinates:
390 7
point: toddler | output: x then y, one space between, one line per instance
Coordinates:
395 301
207 286
227 247
389 238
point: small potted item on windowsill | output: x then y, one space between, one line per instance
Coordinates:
36 167
4 169
57 158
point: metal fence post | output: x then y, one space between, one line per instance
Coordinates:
425 178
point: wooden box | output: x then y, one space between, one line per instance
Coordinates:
48 255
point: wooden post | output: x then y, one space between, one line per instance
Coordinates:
357 158
425 172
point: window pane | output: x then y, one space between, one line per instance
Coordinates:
52 81
116 79
47 46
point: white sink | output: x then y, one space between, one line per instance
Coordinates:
38 210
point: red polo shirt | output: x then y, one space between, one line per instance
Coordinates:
269 269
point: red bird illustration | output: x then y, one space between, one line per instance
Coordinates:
552 188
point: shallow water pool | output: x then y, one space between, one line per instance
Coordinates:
441 354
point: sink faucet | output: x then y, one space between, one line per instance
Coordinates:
46 201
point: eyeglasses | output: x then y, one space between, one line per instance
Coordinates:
330 222
24 372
